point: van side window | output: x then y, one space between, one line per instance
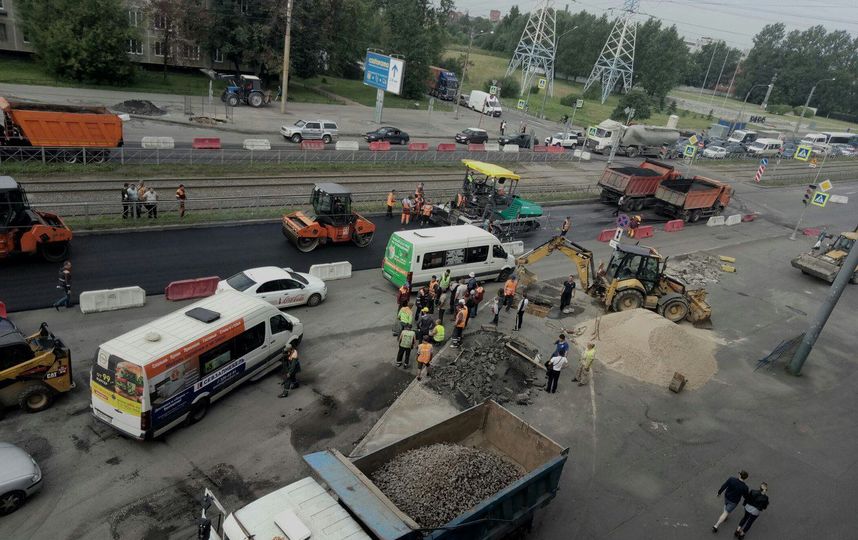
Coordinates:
249 340
476 254
214 358
455 257
279 324
434 259
498 252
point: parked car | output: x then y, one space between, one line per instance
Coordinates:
281 287
840 149
324 130
713 142
715 152
735 150
20 477
464 99
388 133
472 136
567 140
523 140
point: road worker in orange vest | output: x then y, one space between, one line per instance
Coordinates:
403 295
461 321
424 357
391 200
634 223
426 213
407 205
509 292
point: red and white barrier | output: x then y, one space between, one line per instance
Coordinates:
191 288
674 225
205 143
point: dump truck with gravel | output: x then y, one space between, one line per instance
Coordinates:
690 199
827 262
637 185
478 475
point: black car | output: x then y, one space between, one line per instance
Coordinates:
472 136
735 149
523 140
390 134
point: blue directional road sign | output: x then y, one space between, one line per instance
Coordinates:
383 72
764 162
623 221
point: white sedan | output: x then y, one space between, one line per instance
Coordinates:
715 152
281 287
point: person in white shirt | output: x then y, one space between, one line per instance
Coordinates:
151 199
519 312
553 368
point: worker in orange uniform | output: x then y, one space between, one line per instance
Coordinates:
461 321
426 213
406 211
424 357
460 200
509 292
391 200
403 295
418 205
633 226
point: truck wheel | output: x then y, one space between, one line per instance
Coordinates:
362 240
632 151
232 100
296 138
69 157
255 100
674 310
695 216
35 398
306 245
639 204
627 299
54 251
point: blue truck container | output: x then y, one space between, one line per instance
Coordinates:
442 84
487 426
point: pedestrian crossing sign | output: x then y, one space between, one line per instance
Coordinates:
591 131
689 150
802 153
541 84
493 90
521 104
820 198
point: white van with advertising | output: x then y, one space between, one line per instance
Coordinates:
765 147
151 379
484 102
415 256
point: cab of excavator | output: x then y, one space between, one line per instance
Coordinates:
635 262
332 204
844 242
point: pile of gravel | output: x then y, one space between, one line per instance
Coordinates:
436 483
139 106
484 368
695 270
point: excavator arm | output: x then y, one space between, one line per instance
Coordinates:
581 256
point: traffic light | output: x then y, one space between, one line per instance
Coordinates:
808 194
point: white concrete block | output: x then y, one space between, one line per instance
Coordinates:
511 148
351 146
492 147
735 219
160 143
257 144
331 271
715 221
112 299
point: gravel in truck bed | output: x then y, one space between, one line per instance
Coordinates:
436 483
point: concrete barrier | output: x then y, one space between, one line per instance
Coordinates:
510 148
446 147
331 271
581 154
674 225
555 150
312 145
514 248
159 143
644 231
191 288
418 147
477 147
492 147
351 146
205 143
379 146
606 235
112 299
540 149
735 219
257 144
715 221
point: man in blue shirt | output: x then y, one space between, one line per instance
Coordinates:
733 489
561 346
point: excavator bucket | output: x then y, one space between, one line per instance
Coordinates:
699 310
526 278
816 267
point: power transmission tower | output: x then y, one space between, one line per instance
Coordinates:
617 58
537 47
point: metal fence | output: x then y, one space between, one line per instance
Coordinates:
155 156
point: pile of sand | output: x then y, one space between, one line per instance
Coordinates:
644 345
697 270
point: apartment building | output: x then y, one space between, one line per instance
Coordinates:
147 48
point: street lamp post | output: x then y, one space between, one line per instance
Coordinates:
465 67
742 110
806 103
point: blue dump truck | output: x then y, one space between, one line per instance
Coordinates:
354 507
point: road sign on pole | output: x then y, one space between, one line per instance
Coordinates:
521 104
689 150
825 185
541 84
819 199
802 153
384 72
579 103
692 139
493 90
763 163
618 235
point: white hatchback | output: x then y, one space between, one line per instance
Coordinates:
280 287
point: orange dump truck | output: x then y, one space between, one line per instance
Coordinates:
66 129
690 199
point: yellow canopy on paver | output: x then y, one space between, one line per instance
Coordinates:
489 169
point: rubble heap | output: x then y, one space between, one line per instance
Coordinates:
485 369
697 270
139 106
436 483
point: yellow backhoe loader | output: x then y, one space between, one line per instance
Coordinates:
634 278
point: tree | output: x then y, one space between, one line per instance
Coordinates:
661 59
82 40
637 100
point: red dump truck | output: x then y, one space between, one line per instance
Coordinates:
636 184
689 199
68 132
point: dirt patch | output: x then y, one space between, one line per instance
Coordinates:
484 368
695 270
643 345
142 107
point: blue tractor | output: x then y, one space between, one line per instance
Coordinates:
246 89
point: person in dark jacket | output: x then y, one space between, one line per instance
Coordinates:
733 489
755 502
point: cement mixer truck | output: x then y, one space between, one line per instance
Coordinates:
631 141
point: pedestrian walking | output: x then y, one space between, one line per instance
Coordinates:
451 294
502 127
181 197
151 199
461 321
64 284
755 502
424 357
478 295
519 312
407 340
620 202
403 295
553 368
126 205
470 303
391 200
443 295
406 318
438 332
561 346
733 489
496 307
291 369
425 324
407 205
568 294
585 364
509 292
565 226
133 200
